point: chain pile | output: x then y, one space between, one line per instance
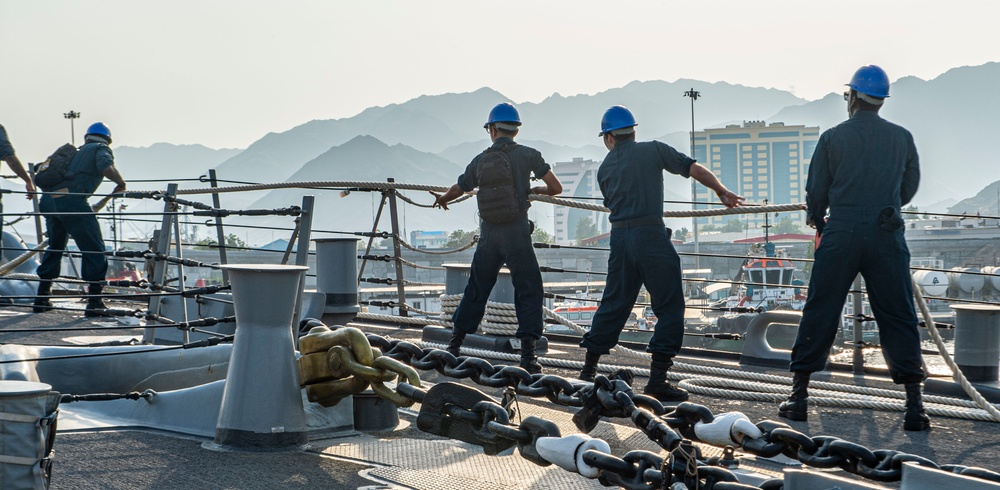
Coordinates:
332 368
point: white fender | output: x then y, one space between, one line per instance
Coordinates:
567 452
727 428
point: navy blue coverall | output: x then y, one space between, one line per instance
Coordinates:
508 243
631 179
79 220
863 171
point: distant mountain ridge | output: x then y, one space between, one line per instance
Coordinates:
168 161
366 159
953 119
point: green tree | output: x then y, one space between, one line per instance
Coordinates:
786 225
733 225
912 208
542 236
585 228
459 238
231 241
682 234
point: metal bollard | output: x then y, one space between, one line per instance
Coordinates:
977 341
337 277
756 348
262 404
457 277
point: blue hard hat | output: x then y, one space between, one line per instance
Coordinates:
617 117
504 113
871 80
99 129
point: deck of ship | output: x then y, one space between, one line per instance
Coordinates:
409 458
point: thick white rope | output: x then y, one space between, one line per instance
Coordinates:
534 197
957 375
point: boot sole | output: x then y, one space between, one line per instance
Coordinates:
796 416
667 398
917 427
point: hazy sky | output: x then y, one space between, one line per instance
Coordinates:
224 73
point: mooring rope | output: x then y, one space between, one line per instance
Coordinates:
475 240
534 197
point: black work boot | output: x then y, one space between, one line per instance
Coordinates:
455 344
96 304
589 371
915 418
42 303
795 408
658 387
529 362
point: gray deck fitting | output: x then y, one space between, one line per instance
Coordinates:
262 405
337 276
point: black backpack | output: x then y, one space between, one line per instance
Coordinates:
498 200
54 171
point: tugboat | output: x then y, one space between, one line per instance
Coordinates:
767 280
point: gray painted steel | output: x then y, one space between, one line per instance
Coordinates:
977 341
372 413
812 480
262 404
457 277
27 412
916 477
177 309
103 373
337 272
756 349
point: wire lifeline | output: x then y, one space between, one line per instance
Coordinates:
190 345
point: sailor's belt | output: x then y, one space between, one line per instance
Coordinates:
632 223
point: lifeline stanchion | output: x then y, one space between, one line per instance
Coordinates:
261 405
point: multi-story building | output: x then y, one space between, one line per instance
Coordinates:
428 239
762 162
579 180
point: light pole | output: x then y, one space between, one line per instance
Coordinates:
694 94
72 115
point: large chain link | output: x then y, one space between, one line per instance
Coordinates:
338 363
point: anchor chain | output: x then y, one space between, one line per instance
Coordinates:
667 426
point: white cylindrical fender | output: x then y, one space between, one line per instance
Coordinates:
567 452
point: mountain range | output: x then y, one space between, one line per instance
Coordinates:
431 138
